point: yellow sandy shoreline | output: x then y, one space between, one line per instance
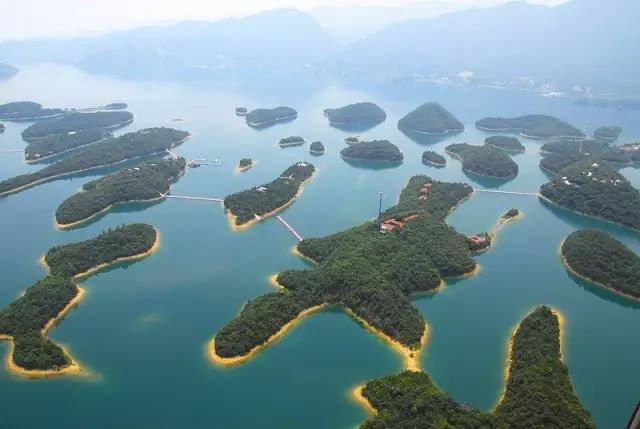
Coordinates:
356 394
238 169
296 252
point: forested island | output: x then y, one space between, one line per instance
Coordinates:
27 320
593 188
27 111
7 71
107 152
241 111
245 164
538 393
74 122
147 181
358 113
375 150
430 157
532 126
316 148
484 160
554 162
53 145
253 204
431 118
291 141
577 149
266 117
603 260
510 144
609 134
352 140
368 272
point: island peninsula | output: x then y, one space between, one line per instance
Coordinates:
265 117
27 111
434 159
357 113
507 143
485 160
431 118
50 146
76 121
375 150
532 126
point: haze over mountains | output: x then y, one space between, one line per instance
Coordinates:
586 43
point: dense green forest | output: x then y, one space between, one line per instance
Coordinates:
144 182
260 117
316 148
484 160
364 112
25 318
431 118
55 144
511 144
23 110
110 151
554 162
535 126
607 133
257 201
245 163
291 141
598 149
376 150
430 157
595 189
604 260
538 393
75 121
366 271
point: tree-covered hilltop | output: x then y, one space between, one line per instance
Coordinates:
252 203
26 319
364 112
146 181
554 162
603 260
534 126
76 121
263 117
6 71
55 144
430 157
538 393
484 160
511 144
376 150
368 272
291 141
609 134
107 152
595 189
431 118
245 163
316 148
599 149
26 110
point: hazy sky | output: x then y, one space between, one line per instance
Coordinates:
21 19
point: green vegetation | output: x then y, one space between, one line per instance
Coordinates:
431 118
593 188
291 141
316 148
554 162
116 106
511 213
376 150
264 117
26 318
352 140
533 126
633 150
55 144
146 181
510 144
484 160
75 121
430 157
603 260
607 133
258 201
598 149
370 273
107 152
538 393
364 112
26 110
245 163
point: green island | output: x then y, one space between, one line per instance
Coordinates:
430 157
244 164
316 148
599 149
554 162
484 160
291 141
266 117
369 271
57 144
241 111
144 182
532 126
28 319
593 188
74 122
27 111
609 134
375 150
6 71
510 144
603 260
538 390
510 214
352 140
253 204
364 112
431 118
112 150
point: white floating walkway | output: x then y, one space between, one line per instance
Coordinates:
495 191
182 197
290 228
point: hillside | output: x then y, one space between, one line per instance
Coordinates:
484 160
430 118
6 71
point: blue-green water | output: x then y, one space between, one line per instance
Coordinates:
142 329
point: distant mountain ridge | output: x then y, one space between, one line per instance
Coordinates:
6 71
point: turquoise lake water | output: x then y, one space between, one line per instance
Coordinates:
142 329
